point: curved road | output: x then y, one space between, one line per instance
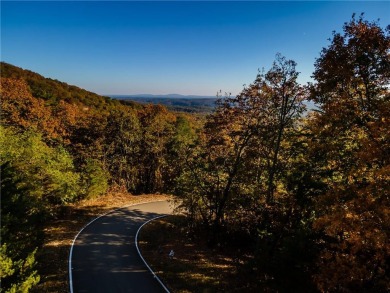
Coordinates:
104 257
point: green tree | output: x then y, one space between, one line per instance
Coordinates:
20 234
46 172
122 148
184 136
17 275
157 129
35 180
94 179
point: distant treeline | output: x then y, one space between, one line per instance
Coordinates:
189 105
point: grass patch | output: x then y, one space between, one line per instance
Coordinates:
195 266
59 233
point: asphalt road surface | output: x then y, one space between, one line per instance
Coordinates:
104 257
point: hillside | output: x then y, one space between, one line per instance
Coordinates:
107 133
52 91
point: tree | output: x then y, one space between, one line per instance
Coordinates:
282 104
237 160
35 180
122 147
184 136
94 179
46 172
157 129
20 109
17 275
20 219
351 133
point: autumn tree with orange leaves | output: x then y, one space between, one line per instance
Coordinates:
351 135
236 168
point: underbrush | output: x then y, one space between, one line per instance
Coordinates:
240 265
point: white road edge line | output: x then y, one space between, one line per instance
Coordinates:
74 240
139 252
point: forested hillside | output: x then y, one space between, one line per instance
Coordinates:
53 91
305 196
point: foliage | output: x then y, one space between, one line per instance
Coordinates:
352 136
95 179
307 194
19 108
46 172
121 150
233 173
54 91
185 134
136 158
20 217
319 183
157 126
17 275
35 178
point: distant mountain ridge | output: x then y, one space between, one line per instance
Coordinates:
184 103
175 102
153 96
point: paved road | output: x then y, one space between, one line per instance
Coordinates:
105 258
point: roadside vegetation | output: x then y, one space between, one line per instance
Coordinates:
306 197
269 193
198 267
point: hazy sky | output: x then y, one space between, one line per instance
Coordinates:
170 47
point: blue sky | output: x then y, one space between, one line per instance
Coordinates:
170 47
